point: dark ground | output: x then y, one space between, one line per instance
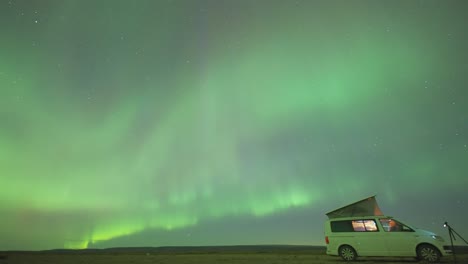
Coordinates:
199 255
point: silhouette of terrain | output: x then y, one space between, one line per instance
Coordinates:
246 254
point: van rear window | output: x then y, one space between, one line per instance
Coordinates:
354 226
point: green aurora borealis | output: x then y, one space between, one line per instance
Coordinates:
153 123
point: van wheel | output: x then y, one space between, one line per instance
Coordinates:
428 253
348 253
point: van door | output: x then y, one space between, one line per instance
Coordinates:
368 238
400 239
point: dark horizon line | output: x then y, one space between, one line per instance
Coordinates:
178 248
261 248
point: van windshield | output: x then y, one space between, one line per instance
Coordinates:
392 225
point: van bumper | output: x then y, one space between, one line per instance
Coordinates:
447 250
331 252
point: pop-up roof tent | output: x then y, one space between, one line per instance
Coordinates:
363 207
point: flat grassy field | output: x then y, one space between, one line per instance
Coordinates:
303 256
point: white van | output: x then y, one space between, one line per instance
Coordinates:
378 236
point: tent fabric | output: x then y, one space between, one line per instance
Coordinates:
365 207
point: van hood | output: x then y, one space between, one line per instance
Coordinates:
433 235
425 232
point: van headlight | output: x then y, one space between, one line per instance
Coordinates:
438 238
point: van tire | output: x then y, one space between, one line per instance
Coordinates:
428 253
347 253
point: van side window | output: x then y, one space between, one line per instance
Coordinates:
390 225
341 226
365 226
354 226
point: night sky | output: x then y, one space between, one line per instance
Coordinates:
222 122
